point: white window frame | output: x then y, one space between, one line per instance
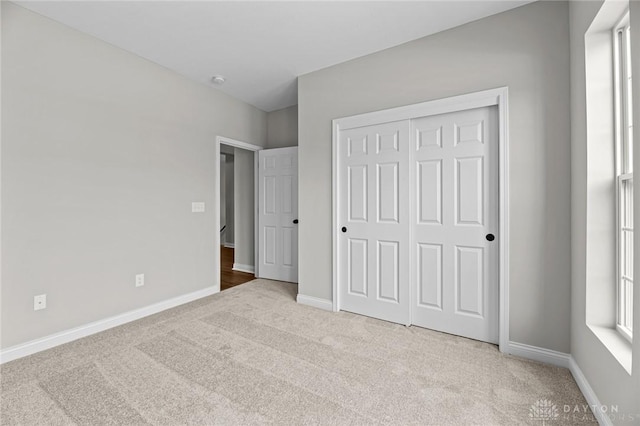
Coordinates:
624 176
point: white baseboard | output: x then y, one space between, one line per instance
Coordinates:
316 302
48 342
229 245
589 394
562 359
535 353
250 269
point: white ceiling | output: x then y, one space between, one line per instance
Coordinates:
261 47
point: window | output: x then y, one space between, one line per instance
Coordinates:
624 176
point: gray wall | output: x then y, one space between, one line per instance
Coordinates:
244 197
229 195
226 198
102 154
223 193
610 382
526 49
282 127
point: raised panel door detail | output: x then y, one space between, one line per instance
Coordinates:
469 187
469 132
270 248
429 138
373 220
287 161
270 205
387 280
287 194
454 268
387 142
287 246
357 192
469 280
269 163
358 266
430 275
430 192
388 192
357 146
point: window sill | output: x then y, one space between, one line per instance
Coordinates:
619 347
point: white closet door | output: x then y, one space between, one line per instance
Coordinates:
278 214
374 220
454 276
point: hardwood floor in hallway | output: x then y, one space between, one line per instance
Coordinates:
228 277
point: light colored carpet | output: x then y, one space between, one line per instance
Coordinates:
251 355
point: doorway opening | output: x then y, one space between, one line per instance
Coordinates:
236 194
258 235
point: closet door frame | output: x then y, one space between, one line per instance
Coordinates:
493 97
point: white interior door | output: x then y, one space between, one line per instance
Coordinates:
454 274
374 221
417 208
278 214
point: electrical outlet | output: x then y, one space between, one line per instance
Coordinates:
39 302
197 207
139 280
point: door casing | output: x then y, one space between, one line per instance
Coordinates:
493 97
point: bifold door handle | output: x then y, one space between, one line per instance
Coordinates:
490 237
344 229
295 221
